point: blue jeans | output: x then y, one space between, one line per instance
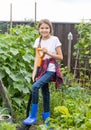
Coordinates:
43 84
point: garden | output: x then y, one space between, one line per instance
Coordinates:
70 104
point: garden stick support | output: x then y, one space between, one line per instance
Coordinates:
70 38
5 97
76 62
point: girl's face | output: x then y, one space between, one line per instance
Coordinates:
44 31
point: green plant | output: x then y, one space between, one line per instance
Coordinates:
83 49
7 126
70 109
16 63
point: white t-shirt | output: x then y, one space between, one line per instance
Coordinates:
50 44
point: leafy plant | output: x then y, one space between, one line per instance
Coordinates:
71 109
83 50
7 126
16 63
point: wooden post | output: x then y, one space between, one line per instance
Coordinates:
11 15
76 62
5 97
70 38
35 11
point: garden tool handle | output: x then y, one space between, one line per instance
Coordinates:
40 57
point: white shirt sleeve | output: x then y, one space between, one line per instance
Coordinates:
36 43
57 41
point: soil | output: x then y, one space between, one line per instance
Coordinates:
32 127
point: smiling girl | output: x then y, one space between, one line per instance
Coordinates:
49 70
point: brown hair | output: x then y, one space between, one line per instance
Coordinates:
46 21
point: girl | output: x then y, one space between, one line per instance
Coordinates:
49 70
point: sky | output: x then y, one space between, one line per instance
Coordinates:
54 10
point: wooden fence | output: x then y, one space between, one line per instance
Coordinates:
62 30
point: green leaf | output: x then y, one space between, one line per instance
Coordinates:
14 51
13 77
27 58
18 86
27 79
18 101
25 90
7 70
89 61
2 74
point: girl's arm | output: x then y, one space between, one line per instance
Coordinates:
34 69
58 56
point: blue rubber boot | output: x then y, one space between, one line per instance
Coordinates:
45 116
33 116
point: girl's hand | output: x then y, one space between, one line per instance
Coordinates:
33 76
44 50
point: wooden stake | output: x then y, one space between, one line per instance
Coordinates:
11 15
5 97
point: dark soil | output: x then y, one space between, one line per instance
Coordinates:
32 127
